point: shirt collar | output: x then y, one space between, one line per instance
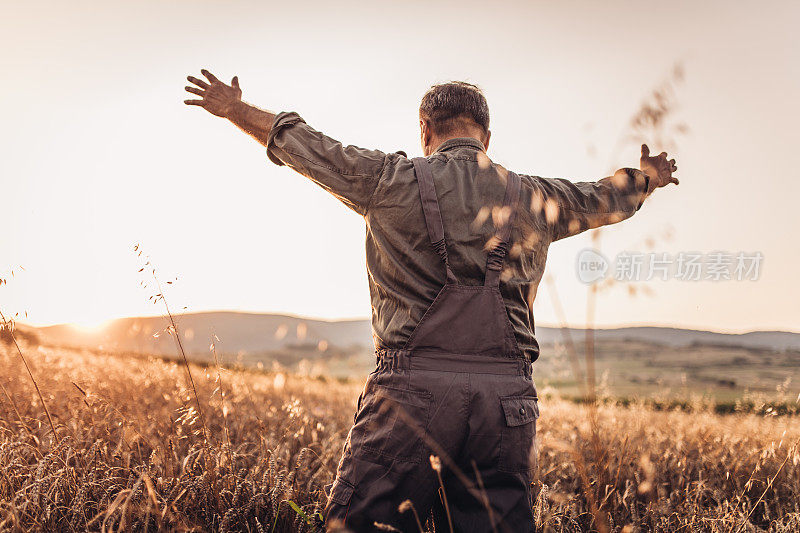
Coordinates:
460 142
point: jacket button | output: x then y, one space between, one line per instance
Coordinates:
522 410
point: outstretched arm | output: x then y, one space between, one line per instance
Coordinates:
571 208
350 173
226 101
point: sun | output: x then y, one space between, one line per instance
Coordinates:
90 324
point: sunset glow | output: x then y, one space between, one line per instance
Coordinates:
111 157
90 325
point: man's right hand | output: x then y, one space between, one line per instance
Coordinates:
216 97
226 101
658 169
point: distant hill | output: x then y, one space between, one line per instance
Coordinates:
237 333
251 333
630 362
677 337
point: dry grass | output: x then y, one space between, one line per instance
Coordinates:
130 451
130 454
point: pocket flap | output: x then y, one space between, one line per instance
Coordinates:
341 492
520 410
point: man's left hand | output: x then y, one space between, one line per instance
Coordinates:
658 168
216 97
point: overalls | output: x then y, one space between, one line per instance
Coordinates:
457 401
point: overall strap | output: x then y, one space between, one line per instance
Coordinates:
433 215
494 262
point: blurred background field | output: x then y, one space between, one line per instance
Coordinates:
665 365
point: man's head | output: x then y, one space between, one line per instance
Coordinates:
454 109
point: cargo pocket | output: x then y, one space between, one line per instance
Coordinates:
519 433
390 425
341 492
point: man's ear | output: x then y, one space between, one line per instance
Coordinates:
425 134
486 142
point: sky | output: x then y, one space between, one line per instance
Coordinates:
98 153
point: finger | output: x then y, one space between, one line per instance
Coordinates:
645 151
201 103
671 162
195 90
198 82
663 154
674 180
235 82
211 77
674 167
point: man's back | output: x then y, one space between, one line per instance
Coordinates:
456 246
404 272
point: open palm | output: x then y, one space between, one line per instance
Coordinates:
657 168
216 97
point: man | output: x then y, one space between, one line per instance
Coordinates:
455 244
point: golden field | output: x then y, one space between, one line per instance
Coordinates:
133 452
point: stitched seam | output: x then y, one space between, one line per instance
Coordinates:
470 287
328 167
503 462
587 211
344 482
460 145
645 193
399 458
476 372
422 393
519 398
464 158
468 403
343 496
414 457
490 352
378 184
427 312
528 418
502 465
285 122
510 334
598 212
443 157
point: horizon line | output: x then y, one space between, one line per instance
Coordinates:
604 326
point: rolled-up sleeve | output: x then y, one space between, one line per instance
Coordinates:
349 173
571 208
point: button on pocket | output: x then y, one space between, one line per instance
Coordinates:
518 434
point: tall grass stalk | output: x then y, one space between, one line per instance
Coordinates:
173 329
9 326
214 340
